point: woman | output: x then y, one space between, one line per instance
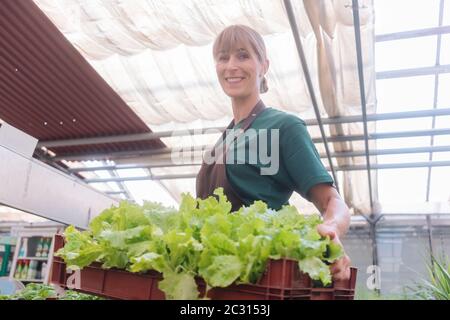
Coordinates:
241 65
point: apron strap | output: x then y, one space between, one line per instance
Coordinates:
246 123
214 175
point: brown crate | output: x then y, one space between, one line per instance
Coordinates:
58 243
285 274
339 290
125 285
58 273
282 280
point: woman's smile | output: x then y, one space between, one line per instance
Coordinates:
234 80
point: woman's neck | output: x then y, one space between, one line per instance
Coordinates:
243 107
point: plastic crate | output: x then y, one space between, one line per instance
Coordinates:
282 280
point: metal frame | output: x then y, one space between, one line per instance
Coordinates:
123 188
383 166
413 72
136 153
430 237
435 97
364 118
344 154
127 137
143 178
32 185
356 23
173 133
301 54
410 222
342 168
389 135
413 34
111 193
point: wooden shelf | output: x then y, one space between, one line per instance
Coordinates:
30 280
33 239
33 258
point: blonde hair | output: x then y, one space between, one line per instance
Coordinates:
237 34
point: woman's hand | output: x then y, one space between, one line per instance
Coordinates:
340 269
336 221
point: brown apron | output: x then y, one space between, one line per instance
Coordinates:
212 176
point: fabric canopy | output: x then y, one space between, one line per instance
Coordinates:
156 54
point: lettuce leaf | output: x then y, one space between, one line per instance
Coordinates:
202 238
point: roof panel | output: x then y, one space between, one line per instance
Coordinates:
403 15
395 55
439 190
402 185
405 94
399 125
446 17
444 92
50 91
445 48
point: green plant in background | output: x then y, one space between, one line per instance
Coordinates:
33 291
437 286
36 291
74 295
365 294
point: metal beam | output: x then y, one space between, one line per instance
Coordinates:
388 135
137 166
115 192
414 72
413 33
430 238
373 237
385 166
383 116
333 154
362 93
47 159
143 178
435 97
136 153
378 152
120 184
344 168
309 122
128 137
301 54
36 188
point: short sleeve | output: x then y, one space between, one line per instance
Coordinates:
300 158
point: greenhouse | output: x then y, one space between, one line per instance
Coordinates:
110 111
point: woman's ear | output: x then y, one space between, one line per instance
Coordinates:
266 66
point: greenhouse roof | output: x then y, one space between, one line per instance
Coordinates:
136 75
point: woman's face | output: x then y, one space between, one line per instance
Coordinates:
240 72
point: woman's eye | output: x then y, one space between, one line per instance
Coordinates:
243 56
223 58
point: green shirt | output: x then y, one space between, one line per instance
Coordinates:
299 167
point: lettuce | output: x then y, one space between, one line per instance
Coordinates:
202 238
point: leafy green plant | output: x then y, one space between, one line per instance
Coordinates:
437 286
33 291
74 295
38 291
203 238
362 293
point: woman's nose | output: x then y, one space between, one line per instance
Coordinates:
232 63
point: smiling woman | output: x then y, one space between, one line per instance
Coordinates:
241 64
265 154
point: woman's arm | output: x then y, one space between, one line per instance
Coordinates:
336 221
333 209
